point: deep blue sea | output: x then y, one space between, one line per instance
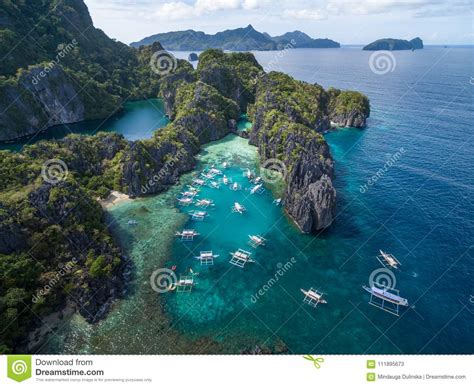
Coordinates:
404 185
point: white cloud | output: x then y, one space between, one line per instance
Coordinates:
179 10
417 8
175 10
306 14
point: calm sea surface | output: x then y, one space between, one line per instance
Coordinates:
404 185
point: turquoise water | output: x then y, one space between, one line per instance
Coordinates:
420 209
243 124
138 120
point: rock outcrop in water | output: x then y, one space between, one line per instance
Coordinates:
394 44
348 108
286 117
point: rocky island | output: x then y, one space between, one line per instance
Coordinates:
48 224
394 44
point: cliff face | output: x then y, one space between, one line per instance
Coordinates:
285 133
75 73
34 102
233 75
348 108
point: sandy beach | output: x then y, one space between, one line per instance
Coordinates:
114 198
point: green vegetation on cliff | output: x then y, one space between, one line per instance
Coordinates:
64 70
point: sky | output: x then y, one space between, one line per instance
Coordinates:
346 21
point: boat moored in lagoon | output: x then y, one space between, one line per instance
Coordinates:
235 187
185 201
239 208
313 297
256 240
204 203
240 258
187 235
206 258
198 215
385 298
388 260
257 189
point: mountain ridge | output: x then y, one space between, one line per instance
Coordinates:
238 39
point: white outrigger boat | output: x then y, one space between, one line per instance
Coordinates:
248 174
313 297
204 203
187 235
257 180
199 182
235 187
185 201
388 260
257 189
198 215
208 175
240 258
256 240
206 258
189 194
186 282
215 171
225 180
239 208
214 184
277 202
385 298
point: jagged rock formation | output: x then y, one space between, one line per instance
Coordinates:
286 132
193 57
348 108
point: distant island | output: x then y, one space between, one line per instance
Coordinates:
395 44
240 39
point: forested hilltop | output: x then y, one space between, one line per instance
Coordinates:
58 68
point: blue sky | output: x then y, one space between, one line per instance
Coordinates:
346 21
